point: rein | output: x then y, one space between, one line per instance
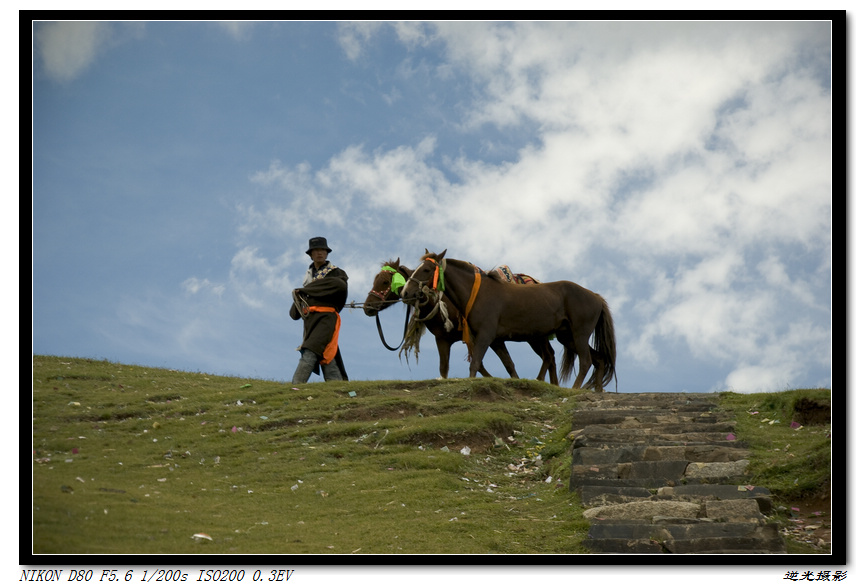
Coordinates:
395 283
404 331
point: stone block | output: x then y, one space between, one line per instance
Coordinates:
734 510
673 470
700 470
644 510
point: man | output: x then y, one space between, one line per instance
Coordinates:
318 303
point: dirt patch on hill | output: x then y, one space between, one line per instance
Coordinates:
809 412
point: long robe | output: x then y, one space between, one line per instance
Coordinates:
319 327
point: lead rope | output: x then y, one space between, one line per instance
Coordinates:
437 298
301 304
404 331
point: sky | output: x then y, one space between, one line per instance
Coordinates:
683 171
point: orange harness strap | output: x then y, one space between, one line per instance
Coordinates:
333 344
475 288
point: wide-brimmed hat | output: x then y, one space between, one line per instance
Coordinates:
316 243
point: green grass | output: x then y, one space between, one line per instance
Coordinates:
130 459
153 456
792 463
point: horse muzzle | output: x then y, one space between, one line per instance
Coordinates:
412 295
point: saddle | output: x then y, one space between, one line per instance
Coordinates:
505 274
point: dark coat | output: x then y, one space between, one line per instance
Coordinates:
318 328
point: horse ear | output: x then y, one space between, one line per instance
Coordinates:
442 255
426 250
397 261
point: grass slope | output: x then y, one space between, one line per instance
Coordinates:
137 460
152 457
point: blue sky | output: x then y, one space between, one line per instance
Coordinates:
680 170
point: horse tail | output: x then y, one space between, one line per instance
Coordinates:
605 345
566 369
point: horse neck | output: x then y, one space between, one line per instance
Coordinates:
459 279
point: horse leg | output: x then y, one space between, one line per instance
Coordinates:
585 356
548 360
541 351
599 364
444 348
481 343
482 369
499 348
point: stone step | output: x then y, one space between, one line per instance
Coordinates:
645 483
700 453
597 495
761 495
685 531
637 417
597 437
664 473
720 545
650 401
633 470
622 546
638 429
675 471
672 469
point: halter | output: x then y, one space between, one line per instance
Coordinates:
397 280
434 294
437 292
438 281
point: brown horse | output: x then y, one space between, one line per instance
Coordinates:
439 315
495 310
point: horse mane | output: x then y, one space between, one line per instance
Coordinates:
392 263
472 267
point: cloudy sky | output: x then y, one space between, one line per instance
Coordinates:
680 170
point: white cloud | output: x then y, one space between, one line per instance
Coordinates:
670 169
238 30
255 277
761 378
68 48
399 179
354 35
193 285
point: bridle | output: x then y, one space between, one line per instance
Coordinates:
396 281
382 295
431 294
437 281
437 292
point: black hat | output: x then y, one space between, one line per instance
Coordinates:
316 243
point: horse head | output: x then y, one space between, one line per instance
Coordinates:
425 277
385 288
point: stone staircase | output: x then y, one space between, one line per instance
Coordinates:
664 473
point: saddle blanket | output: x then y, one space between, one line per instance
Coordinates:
505 274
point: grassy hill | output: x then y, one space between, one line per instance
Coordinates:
152 457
